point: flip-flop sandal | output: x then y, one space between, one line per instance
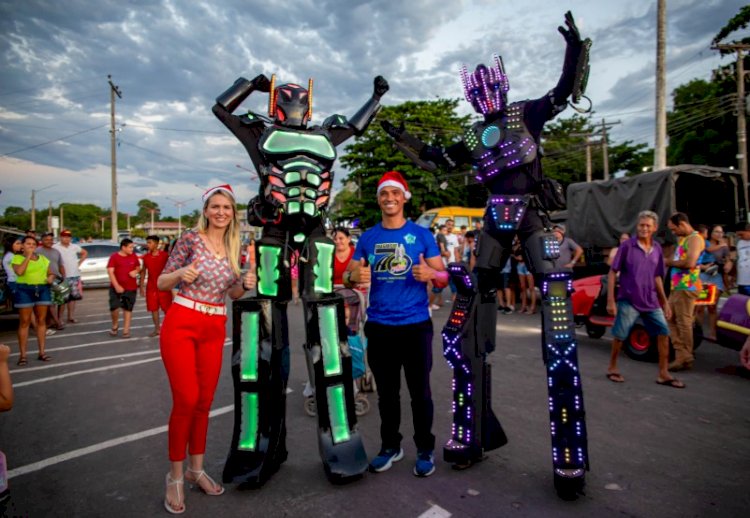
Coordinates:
44 358
21 362
616 377
126 334
153 334
113 331
674 383
73 320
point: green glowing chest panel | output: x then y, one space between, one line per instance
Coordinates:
284 142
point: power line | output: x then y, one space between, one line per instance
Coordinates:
53 141
129 124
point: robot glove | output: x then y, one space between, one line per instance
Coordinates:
571 35
261 83
380 87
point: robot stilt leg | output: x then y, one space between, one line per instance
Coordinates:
475 427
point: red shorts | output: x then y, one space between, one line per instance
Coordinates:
156 299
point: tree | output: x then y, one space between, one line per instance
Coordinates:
434 122
702 128
144 211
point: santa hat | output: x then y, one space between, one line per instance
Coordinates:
394 179
226 189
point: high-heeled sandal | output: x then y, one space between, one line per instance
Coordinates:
177 483
202 473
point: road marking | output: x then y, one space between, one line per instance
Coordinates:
78 373
59 334
87 371
86 360
433 512
111 341
74 454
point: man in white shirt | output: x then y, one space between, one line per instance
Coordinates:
743 260
72 257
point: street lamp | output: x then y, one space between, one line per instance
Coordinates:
33 204
179 205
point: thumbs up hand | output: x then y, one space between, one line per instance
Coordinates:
190 272
361 274
422 271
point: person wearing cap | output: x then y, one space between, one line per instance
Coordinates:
205 263
398 257
570 251
123 268
57 266
72 256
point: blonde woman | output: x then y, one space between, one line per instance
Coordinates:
205 263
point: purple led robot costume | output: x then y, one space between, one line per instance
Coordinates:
504 152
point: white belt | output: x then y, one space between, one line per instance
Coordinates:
206 309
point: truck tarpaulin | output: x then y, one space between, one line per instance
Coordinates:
599 211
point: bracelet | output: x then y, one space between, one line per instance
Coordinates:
347 278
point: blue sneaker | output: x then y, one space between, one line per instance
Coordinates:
385 459
425 465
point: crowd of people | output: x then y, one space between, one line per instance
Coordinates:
190 284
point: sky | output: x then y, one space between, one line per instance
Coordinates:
170 59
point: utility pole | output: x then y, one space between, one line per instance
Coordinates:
589 170
741 122
33 204
605 153
660 142
113 89
152 211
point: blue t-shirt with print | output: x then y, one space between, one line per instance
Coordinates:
396 298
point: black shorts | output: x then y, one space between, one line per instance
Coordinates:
124 300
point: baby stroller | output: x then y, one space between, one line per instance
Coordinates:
356 310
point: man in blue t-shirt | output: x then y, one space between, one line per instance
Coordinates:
398 257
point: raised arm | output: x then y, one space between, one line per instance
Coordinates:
575 67
362 119
427 157
247 128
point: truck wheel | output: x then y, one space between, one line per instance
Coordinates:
640 346
595 331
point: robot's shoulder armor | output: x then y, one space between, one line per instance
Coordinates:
335 121
251 119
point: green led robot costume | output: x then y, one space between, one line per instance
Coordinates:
294 166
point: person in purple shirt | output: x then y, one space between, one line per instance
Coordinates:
640 264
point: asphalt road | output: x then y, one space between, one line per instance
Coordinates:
87 436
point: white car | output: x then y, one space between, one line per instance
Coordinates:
94 267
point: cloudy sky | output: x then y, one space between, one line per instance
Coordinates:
170 59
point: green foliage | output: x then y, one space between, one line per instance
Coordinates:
702 126
434 122
739 21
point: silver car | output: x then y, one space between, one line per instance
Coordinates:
94 267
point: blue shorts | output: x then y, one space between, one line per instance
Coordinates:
656 324
522 270
30 295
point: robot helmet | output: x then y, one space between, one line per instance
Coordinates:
486 88
290 104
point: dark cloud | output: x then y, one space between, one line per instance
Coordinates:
171 59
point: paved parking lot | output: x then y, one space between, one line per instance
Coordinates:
87 436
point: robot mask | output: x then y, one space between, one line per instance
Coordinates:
486 88
290 104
